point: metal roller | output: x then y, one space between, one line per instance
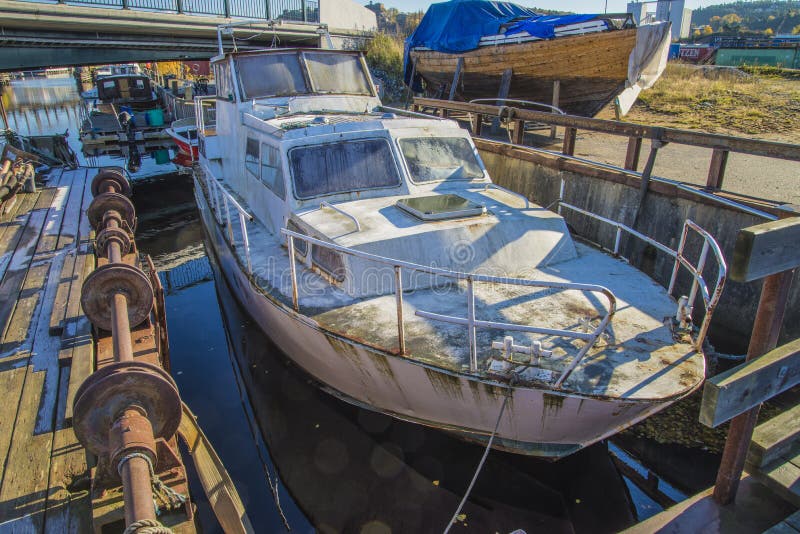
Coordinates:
111 202
112 178
104 397
108 235
100 288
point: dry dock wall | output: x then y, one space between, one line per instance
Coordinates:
615 195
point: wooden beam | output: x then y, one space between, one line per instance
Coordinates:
456 78
716 172
568 148
766 249
556 102
519 132
505 86
737 390
477 124
756 147
633 153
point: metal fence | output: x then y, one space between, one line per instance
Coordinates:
297 10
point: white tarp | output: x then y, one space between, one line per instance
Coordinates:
646 62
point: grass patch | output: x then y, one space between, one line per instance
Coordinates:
721 100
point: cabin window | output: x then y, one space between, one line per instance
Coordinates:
342 167
222 78
334 73
271 171
251 157
432 159
270 75
110 84
329 261
139 83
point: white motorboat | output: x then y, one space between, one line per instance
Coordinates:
372 246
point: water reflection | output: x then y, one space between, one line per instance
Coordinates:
44 106
339 468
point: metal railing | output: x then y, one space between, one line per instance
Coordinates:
205 111
471 321
710 298
221 202
297 10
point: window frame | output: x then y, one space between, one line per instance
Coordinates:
385 140
248 139
282 194
475 153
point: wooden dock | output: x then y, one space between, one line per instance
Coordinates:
46 351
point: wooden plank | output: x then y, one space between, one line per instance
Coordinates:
519 133
716 171
737 390
57 317
568 148
633 153
756 147
774 438
13 227
556 103
456 78
766 249
783 477
69 229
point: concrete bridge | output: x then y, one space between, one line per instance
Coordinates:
38 35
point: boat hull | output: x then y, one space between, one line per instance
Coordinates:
537 422
590 68
184 145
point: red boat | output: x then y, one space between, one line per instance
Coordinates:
184 133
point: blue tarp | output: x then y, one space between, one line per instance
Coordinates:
458 25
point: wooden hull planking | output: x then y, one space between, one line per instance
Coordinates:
592 70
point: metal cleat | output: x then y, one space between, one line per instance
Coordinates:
535 351
683 315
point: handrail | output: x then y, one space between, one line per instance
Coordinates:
729 143
555 109
325 204
510 192
471 322
228 198
710 299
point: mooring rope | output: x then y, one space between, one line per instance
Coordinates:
147 526
170 499
478 469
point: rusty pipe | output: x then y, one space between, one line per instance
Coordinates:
137 490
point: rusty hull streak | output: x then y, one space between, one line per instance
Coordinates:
445 383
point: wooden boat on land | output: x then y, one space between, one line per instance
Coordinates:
372 246
592 61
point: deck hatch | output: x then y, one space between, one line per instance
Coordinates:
440 207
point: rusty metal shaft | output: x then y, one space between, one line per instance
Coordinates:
132 429
767 328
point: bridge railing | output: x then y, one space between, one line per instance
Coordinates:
299 10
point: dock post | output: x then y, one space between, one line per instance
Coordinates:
767 327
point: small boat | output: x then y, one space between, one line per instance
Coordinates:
184 133
372 246
482 50
128 90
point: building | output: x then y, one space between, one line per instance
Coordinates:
666 10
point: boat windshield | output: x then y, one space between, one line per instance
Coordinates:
342 167
432 159
297 73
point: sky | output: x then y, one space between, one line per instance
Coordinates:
578 6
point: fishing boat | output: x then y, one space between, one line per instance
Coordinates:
184 133
372 246
469 49
130 90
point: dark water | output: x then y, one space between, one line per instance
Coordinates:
304 460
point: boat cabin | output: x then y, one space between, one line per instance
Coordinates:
125 89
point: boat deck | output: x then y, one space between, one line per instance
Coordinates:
46 351
643 359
